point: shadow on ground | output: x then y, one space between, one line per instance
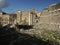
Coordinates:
24 27
9 36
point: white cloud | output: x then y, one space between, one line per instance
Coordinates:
0 0
3 3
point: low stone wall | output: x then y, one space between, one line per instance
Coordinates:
49 26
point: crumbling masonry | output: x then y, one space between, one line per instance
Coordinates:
48 18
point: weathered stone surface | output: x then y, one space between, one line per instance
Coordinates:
48 18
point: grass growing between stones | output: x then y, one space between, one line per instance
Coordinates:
50 36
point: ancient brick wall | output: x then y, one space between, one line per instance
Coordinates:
50 18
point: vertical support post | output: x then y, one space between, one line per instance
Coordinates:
19 17
29 18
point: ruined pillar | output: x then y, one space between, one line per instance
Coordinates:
30 19
19 17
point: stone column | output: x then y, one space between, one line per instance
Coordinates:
30 19
19 17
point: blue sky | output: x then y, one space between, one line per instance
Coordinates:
15 5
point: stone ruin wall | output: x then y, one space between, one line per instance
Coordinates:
50 18
26 17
